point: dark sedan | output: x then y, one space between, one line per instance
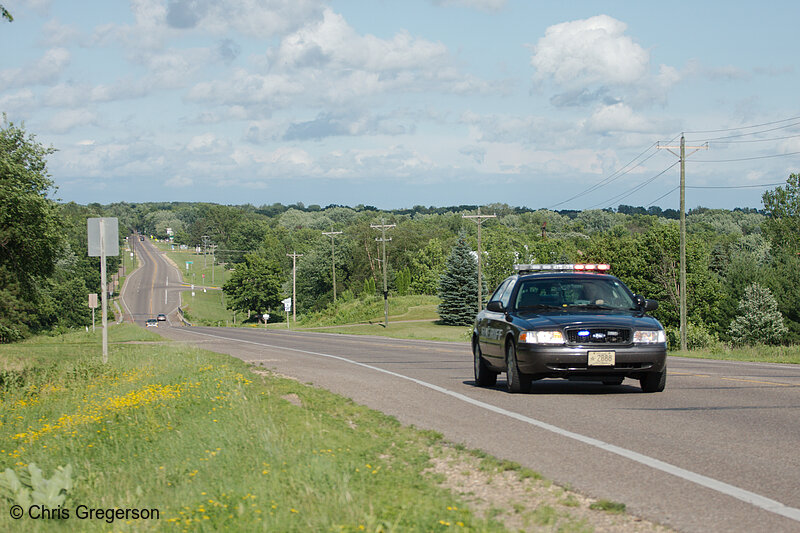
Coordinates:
568 321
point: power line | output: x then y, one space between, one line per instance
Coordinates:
745 158
752 133
734 186
663 195
759 140
715 187
747 127
612 177
636 188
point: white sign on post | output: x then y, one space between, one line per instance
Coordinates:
103 236
110 231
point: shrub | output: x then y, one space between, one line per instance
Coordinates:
759 321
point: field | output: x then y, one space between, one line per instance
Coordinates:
183 439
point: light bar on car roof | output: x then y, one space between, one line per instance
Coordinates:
558 267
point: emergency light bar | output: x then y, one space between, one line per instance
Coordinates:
599 268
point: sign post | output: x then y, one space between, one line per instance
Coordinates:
287 306
103 236
93 305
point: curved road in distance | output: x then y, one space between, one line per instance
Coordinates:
717 451
153 288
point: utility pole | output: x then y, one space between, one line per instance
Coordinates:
383 227
205 246
213 260
682 156
479 220
294 256
333 234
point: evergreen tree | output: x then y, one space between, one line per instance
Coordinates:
458 286
760 321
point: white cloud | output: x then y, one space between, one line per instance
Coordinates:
592 60
332 43
44 71
57 34
207 144
617 118
328 63
483 5
23 100
69 119
590 51
179 182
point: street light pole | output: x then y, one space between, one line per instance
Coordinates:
479 220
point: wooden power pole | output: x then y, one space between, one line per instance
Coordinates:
682 288
294 256
383 227
333 234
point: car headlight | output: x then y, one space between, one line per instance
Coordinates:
542 337
649 336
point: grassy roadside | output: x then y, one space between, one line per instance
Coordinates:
213 444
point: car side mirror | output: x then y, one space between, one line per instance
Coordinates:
495 306
650 305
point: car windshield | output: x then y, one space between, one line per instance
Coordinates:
590 293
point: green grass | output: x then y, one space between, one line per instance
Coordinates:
608 506
206 309
197 269
760 354
371 309
210 444
406 330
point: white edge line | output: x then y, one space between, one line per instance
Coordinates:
752 498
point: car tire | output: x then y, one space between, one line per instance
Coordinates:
516 381
654 381
484 377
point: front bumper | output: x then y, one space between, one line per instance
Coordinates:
543 361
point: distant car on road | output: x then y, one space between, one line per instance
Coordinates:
151 323
568 321
161 317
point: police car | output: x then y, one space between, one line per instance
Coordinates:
573 321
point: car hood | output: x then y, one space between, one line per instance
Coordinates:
612 319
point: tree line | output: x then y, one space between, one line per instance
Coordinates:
44 270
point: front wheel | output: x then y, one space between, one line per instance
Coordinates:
484 377
516 381
654 381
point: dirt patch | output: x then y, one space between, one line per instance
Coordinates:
521 500
293 399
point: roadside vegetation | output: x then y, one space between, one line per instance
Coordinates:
739 262
214 444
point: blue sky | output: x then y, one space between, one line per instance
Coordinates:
394 104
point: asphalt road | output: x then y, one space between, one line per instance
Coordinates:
153 288
717 451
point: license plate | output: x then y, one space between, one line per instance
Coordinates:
601 358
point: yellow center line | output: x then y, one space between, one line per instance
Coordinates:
734 379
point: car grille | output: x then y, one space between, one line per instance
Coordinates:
599 336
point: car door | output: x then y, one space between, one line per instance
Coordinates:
496 325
